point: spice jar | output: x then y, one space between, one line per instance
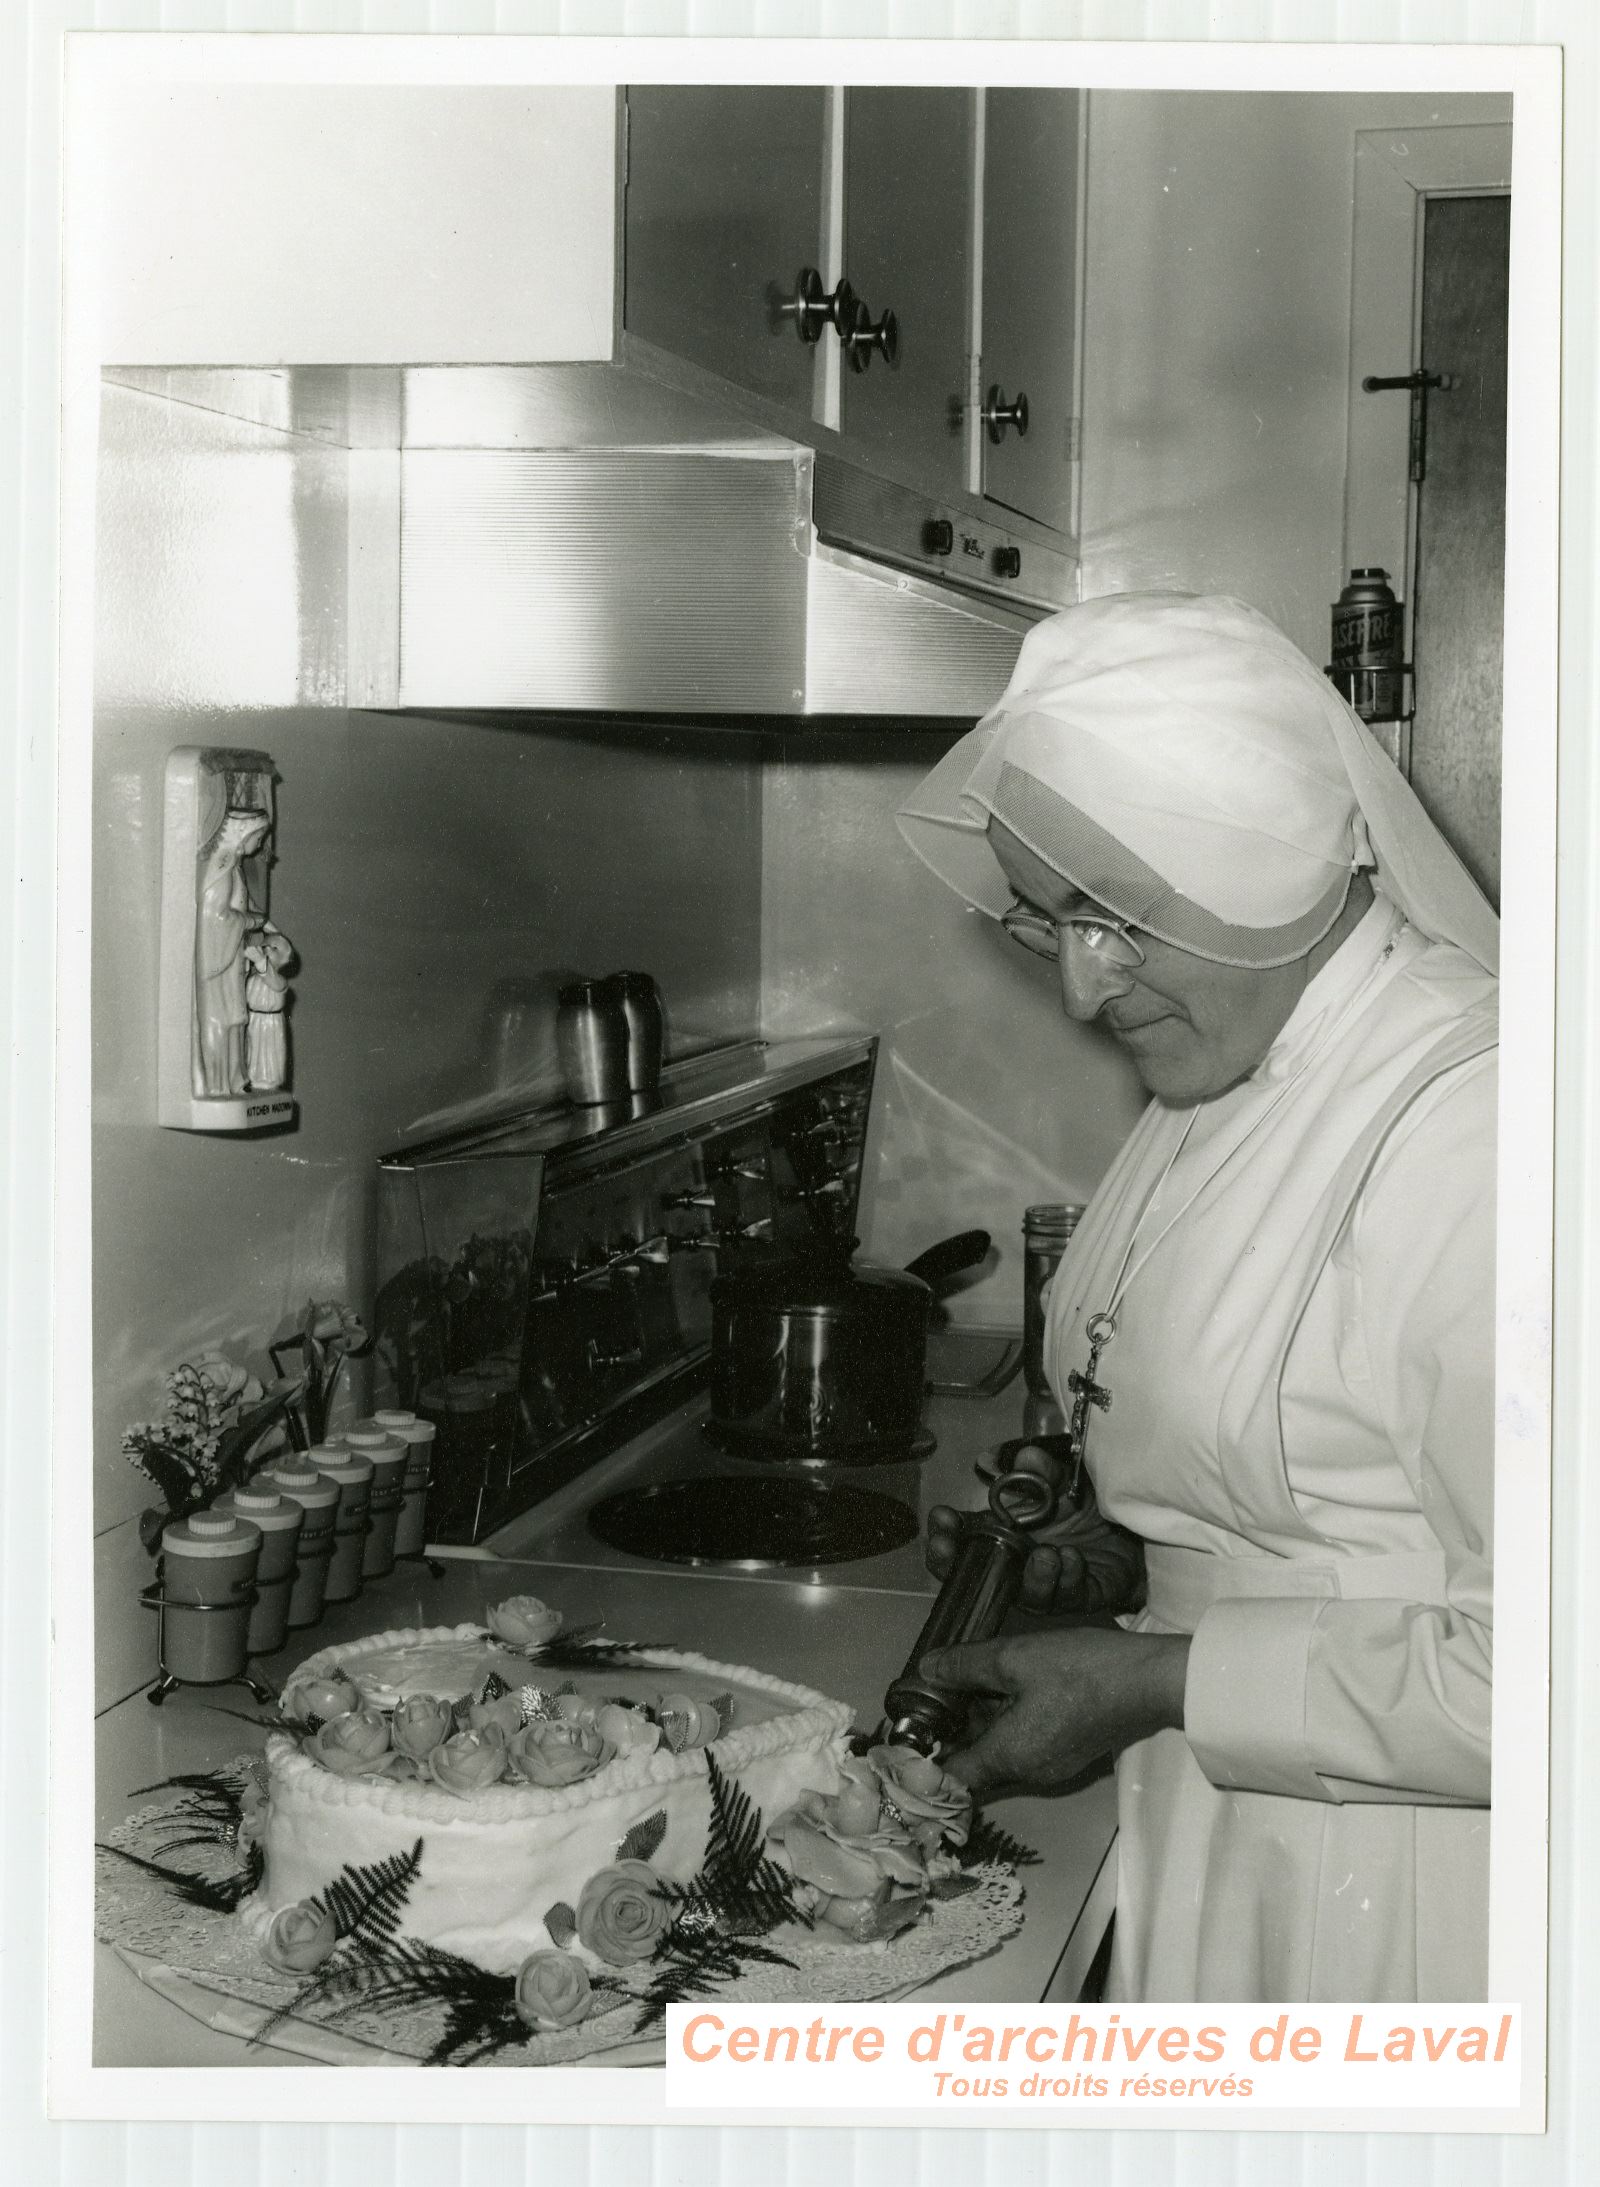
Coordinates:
297 1480
351 1472
1046 1229
388 1455
411 1532
205 1595
279 1519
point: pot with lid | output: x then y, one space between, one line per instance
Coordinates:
820 1360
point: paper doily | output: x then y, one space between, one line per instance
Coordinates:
143 1917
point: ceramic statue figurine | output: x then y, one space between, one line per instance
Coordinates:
223 1047
266 997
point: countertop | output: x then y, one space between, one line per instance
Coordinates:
845 1632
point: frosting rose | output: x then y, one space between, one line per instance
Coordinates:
469 1760
819 1857
301 1937
620 1914
630 1731
686 1723
934 1805
552 1991
857 1807
873 1920
354 1746
326 1698
418 1724
504 1715
523 1621
549 1752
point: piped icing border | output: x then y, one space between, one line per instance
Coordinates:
812 1721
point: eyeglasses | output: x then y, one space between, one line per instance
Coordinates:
1111 942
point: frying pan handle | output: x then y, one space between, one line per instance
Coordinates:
950 1256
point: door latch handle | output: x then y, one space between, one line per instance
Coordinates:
1417 384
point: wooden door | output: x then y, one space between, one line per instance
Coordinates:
1458 594
724 207
1030 251
907 249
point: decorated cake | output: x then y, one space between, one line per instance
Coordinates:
482 1840
509 1771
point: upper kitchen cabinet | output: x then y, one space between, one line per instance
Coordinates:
1028 314
261 223
850 270
907 229
724 210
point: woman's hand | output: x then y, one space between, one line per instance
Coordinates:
1082 1564
1067 1699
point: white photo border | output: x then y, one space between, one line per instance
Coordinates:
1520 1761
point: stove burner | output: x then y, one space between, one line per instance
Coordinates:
753 1523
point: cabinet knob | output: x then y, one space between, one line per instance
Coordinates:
812 309
1008 561
938 536
860 336
998 414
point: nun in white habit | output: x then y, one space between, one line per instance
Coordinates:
1282 1296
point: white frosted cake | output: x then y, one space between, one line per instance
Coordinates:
533 1781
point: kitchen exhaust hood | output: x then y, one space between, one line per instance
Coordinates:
718 578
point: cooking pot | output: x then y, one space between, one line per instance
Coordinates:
821 1360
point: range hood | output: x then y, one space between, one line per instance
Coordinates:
719 577
589 538
687 581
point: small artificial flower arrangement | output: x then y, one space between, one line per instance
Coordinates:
328 1335
216 1414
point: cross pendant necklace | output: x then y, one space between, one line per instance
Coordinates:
1087 1391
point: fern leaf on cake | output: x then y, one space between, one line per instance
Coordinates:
987 1842
688 1971
739 1887
739 1895
213 1895
367 1902
404 1976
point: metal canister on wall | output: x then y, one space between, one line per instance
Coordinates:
1369 646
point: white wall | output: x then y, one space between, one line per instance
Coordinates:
436 878
1217 345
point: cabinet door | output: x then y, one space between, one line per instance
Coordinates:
1030 251
724 207
907 219
282 223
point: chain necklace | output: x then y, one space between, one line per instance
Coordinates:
1089 1393
1101 1326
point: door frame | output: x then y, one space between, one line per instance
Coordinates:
1395 171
